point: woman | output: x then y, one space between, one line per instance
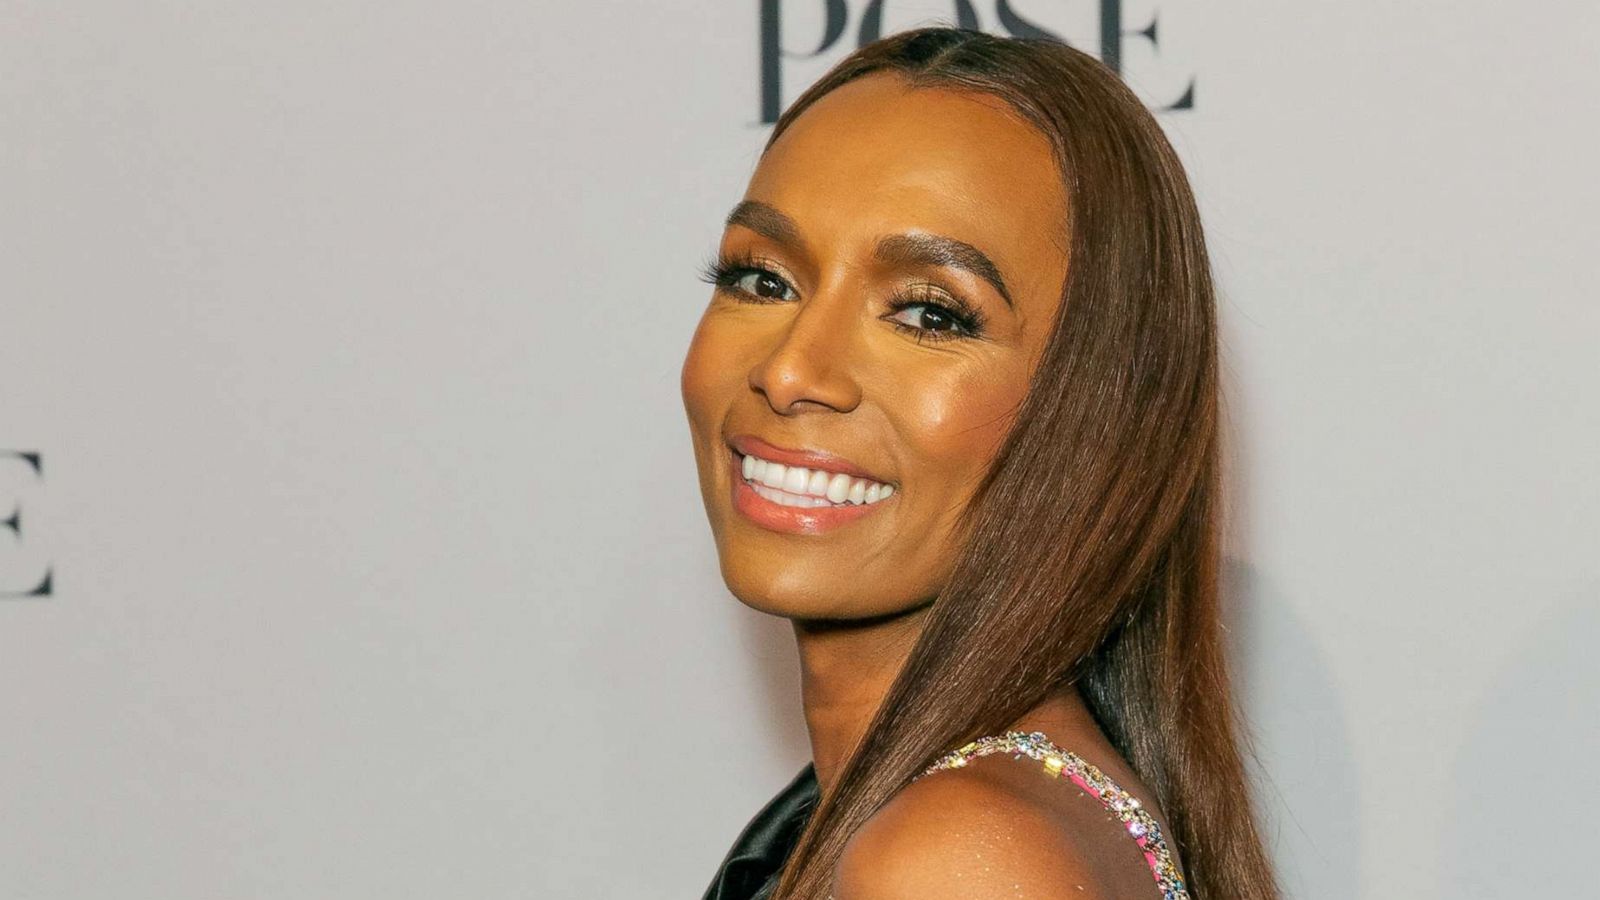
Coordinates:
954 410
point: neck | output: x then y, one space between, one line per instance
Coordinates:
846 669
845 672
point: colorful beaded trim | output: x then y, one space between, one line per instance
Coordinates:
1146 832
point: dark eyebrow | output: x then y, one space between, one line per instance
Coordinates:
936 250
765 220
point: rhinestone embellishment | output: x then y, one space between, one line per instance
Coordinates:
1057 762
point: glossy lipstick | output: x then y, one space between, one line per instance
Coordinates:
795 519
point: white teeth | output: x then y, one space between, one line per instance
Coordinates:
799 486
786 499
818 485
796 479
838 487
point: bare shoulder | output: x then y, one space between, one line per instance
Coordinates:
993 829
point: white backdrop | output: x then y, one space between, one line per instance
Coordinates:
347 335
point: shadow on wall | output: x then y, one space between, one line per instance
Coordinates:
1525 782
1306 787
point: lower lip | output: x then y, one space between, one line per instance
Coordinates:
796 519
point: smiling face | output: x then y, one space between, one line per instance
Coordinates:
884 290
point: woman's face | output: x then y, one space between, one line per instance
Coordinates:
886 287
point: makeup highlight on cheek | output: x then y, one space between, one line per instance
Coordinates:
957 426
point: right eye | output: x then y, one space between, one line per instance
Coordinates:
746 276
761 284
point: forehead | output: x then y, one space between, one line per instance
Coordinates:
877 157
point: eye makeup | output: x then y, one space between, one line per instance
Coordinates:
725 272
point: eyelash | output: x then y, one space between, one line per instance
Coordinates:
723 272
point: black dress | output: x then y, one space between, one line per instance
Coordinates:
749 871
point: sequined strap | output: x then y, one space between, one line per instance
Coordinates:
1058 762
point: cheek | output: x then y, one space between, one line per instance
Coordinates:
955 423
711 373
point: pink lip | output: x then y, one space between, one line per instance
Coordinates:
795 519
750 445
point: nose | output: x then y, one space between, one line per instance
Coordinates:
809 366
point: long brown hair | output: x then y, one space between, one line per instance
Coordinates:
1090 551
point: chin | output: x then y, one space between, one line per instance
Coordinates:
789 594
802 594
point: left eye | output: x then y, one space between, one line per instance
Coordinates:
763 284
929 317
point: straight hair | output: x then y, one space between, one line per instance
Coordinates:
1090 552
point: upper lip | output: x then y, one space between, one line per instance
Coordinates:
750 445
